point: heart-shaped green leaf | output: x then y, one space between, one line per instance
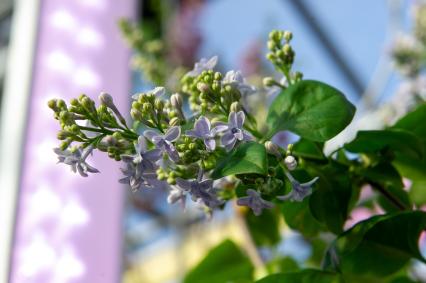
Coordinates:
310 109
303 276
248 158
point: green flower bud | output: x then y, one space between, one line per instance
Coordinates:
159 104
75 129
216 86
288 35
287 49
192 146
65 144
174 121
203 87
235 107
271 44
176 100
60 103
171 180
270 56
106 99
136 115
172 114
181 147
52 104
218 76
62 135
268 81
147 107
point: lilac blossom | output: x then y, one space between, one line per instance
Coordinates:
203 65
137 175
76 160
176 194
157 92
200 190
299 191
202 130
140 167
255 202
164 142
236 80
234 130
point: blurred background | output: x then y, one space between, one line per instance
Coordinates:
58 227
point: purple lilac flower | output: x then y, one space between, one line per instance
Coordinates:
202 130
200 190
299 191
76 160
164 142
255 202
137 175
234 130
140 167
203 65
176 195
236 80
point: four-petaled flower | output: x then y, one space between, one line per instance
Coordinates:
236 80
164 142
200 190
255 202
234 130
76 160
140 167
202 130
203 65
299 191
157 92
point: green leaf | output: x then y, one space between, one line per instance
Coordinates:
329 203
310 109
264 228
309 149
390 180
298 216
224 263
394 139
414 122
379 246
247 158
303 276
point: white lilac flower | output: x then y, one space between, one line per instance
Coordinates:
200 190
203 65
255 202
203 130
157 92
236 80
234 130
299 191
176 195
76 160
140 167
164 142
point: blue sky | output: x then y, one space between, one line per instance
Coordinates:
360 29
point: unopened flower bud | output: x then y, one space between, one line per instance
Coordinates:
203 87
74 102
159 104
270 56
272 148
217 76
268 81
288 35
290 162
52 104
235 107
176 100
271 44
106 99
287 49
174 121
60 103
